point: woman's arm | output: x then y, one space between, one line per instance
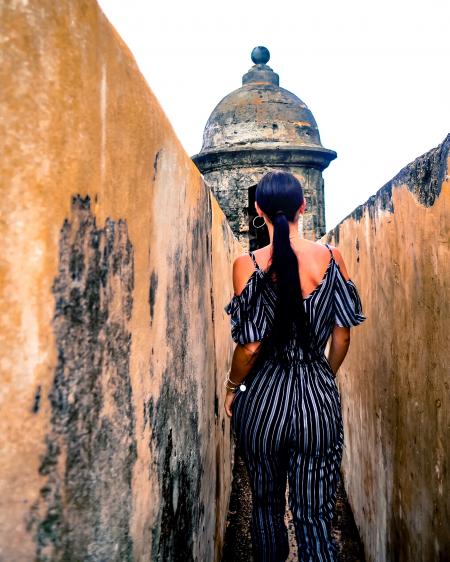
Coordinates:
244 355
340 337
243 360
340 341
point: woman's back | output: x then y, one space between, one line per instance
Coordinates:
314 259
330 298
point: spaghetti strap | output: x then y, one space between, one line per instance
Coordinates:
254 260
331 252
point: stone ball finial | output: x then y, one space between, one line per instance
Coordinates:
260 55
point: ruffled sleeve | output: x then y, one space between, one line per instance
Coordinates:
248 314
347 303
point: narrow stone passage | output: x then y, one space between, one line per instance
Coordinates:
237 547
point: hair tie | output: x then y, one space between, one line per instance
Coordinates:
280 213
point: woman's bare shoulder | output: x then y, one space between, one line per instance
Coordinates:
242 270
315 248
339 260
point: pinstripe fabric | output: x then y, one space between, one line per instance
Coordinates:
288 421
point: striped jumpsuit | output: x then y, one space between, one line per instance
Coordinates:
288 420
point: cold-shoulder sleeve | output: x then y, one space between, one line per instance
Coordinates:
347 303
248 314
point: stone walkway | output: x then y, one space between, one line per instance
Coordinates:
237 546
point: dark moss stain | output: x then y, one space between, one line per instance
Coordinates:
303 130
84 509
216 405
152 293
179 471
37 400
423 177
218 493
155 164
176 442
148 411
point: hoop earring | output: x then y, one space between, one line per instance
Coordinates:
261 225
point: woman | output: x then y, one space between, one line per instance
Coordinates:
290 297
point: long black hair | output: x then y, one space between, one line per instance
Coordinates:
279 194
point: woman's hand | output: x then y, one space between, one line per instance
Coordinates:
243 359
228 401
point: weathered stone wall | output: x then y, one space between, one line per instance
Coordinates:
115 269
395 381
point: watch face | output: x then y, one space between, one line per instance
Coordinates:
242 387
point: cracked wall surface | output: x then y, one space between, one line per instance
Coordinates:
395 381
115 269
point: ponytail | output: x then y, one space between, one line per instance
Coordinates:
281 191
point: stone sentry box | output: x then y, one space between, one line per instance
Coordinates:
256 128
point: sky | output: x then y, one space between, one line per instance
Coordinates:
376 75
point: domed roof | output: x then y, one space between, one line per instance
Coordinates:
260 114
